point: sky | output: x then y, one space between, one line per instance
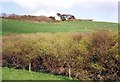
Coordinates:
98 10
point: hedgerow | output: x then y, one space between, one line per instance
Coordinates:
78 55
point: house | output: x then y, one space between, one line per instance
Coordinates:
64 17
57 17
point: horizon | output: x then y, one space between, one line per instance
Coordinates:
53 16
99 10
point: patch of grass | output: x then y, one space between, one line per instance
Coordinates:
15 74
17 27
0 74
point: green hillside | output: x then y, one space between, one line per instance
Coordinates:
13 26
15 74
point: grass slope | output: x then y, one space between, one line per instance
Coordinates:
0 74
13 26
15 74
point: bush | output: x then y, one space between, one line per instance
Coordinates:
104 49
72 54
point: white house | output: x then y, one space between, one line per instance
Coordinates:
57 17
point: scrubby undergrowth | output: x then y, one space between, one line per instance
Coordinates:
78 55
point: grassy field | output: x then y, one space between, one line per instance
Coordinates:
17 27
17 74
0 74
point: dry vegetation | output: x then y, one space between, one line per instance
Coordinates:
29 18
83 56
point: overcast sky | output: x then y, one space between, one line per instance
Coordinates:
99 10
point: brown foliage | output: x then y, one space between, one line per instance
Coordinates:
68 54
